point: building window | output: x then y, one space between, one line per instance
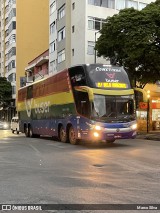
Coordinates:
11 27
61 34
141 5
12 14
73 6
11 65
120 4
61 56
12 39
53 66
12 52
103 3
13 90
73 29
72 52
10 3
52 47
52 28
61 12
12 77
52 7
133 4
91 50
95 23
111 4
94 2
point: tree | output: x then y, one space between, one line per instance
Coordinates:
133 36
5 90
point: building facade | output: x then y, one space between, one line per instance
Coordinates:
24 35
74 28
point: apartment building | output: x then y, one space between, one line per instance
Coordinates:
74 27
24 34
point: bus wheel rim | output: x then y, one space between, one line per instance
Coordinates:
72 136
62 135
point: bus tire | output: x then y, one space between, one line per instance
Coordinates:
26 131
62 135
72 136
110 141
30 132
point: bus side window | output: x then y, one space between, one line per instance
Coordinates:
77 76
30 92
84 108
82 103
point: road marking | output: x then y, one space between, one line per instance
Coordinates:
35 149
57 145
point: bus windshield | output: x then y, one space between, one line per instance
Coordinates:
113 108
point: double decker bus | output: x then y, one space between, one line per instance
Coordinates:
85 102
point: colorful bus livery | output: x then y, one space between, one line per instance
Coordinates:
86 102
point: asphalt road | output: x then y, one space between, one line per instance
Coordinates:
38 171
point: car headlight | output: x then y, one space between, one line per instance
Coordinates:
134 126
5 125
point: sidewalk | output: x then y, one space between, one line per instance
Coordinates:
151 135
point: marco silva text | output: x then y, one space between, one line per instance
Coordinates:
147 207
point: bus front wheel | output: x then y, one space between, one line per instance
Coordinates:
63 135
72 136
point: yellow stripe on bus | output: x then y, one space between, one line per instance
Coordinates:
54 99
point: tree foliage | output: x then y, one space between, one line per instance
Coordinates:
134 38
5 90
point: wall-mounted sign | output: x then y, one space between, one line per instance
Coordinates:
143 105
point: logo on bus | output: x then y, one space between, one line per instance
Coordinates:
28 104
39 107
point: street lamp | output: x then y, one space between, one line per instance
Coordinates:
148 97
95 52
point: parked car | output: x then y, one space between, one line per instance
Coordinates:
15 125
4 125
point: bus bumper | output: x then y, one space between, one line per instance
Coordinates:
106 136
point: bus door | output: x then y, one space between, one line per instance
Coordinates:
83 106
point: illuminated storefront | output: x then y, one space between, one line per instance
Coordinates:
148 109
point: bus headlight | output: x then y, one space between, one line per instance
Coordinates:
96 127
134 126
96 134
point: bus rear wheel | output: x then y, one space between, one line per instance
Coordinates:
62 135
72 136
30 132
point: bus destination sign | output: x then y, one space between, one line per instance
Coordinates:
111 85
108 77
